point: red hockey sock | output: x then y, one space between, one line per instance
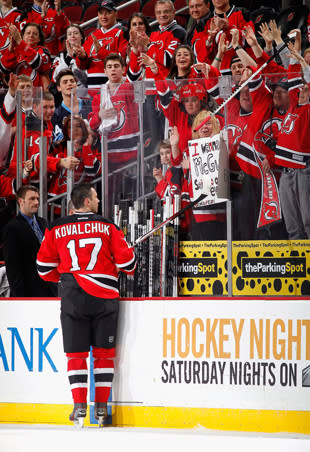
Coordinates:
78 376
103 372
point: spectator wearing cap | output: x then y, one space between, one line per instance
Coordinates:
109 38
182 108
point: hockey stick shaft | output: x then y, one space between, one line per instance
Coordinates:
223 104
168 220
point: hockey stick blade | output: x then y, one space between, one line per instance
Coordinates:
168 220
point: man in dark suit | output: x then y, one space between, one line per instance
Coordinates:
21 243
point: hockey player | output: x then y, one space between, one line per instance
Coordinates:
86 252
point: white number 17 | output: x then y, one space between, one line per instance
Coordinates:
97 244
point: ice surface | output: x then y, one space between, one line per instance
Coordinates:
44 438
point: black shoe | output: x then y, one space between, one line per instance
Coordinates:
78 414
101 413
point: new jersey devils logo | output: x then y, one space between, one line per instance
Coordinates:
271 210
269 130
119 107
234 134
105 42
288 123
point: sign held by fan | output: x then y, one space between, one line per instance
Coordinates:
209 168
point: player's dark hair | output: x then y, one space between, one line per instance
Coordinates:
80 193
21 192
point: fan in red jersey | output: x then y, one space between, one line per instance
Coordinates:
52 21
26 55
87 252
109 38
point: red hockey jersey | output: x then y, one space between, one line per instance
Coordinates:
111 40
53 26
163 43
207 54
31 61
11 17
293 145
90 247
123 135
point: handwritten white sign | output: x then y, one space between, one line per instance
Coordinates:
205 168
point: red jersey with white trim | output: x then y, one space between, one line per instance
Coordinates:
11 17
163 43
207 54
53 26
89 247
262 130
173 108
236 124
111 40
123 135
87 170
31 135
31 61
293 145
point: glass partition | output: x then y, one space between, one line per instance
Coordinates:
153 148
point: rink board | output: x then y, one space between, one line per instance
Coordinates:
224 364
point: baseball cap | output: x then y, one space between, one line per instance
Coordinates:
192 90
282 82
234 59
107 4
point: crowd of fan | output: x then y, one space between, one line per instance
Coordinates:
268 121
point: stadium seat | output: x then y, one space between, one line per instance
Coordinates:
294 17
90 12
148 8
125 13
89 30
262 15
178 4
74 13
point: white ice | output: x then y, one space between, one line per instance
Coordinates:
44 438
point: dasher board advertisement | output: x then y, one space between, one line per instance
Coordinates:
259 268
245 354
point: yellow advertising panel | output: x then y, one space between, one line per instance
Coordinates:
203 268
259 268
271 268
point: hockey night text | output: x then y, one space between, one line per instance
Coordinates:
234 351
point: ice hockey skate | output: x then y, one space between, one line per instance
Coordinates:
78 414
101 413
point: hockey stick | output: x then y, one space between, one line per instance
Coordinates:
217 110
168 220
